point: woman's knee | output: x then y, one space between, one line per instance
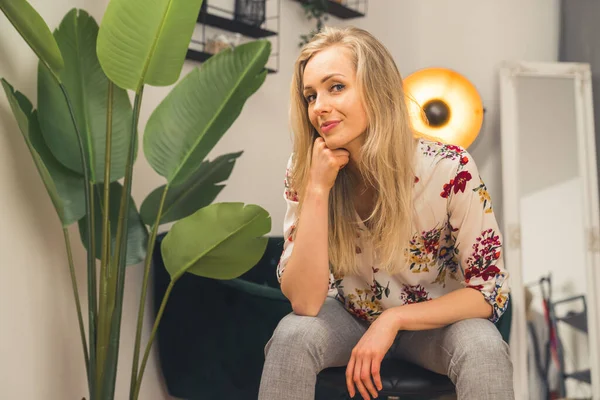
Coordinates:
478 342
293 329
480 355
297 338
296 329
300 336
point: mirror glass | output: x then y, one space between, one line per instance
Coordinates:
553 240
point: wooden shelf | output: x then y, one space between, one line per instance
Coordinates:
232 25
202 56
339 10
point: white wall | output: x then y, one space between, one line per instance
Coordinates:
38 334
470 36
473 37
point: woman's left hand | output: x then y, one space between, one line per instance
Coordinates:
368 353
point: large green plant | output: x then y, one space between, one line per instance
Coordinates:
83 141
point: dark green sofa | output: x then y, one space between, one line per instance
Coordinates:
212 335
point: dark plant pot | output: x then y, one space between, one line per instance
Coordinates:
251 12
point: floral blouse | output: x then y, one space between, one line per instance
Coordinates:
456 241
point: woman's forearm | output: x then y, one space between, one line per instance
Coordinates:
447 309
305 280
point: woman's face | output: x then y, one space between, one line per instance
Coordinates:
335 107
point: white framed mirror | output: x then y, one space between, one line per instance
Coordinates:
551 220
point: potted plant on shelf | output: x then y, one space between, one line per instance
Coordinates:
83 140
317 10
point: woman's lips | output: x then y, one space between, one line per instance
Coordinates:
328 126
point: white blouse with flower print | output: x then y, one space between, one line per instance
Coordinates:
456 241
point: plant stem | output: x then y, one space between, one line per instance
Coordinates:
138 382
120 257
91 259
140 321
103 326
77 302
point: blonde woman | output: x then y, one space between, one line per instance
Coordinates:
392 248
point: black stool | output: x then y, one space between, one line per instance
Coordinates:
400 380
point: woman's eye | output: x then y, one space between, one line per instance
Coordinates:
337 87
310 98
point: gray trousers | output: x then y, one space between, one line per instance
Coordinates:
471 352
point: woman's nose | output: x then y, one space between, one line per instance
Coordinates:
322 105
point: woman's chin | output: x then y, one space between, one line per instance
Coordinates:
334 143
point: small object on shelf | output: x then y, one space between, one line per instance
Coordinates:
215 45
251 12
222 42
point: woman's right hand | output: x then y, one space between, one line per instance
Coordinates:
325 165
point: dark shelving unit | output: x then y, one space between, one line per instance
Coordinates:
225 21
231 25
345 10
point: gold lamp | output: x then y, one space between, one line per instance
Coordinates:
448 106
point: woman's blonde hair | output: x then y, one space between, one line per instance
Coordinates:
386 159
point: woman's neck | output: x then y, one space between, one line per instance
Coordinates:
364 199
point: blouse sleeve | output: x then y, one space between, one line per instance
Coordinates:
477 235
290 196
290 221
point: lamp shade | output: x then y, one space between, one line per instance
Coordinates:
444 104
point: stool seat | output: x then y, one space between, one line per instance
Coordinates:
399 378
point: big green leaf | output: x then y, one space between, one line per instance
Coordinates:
198 111
87 87
137 238
198 191
65 188
145 42
33 29
221 241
